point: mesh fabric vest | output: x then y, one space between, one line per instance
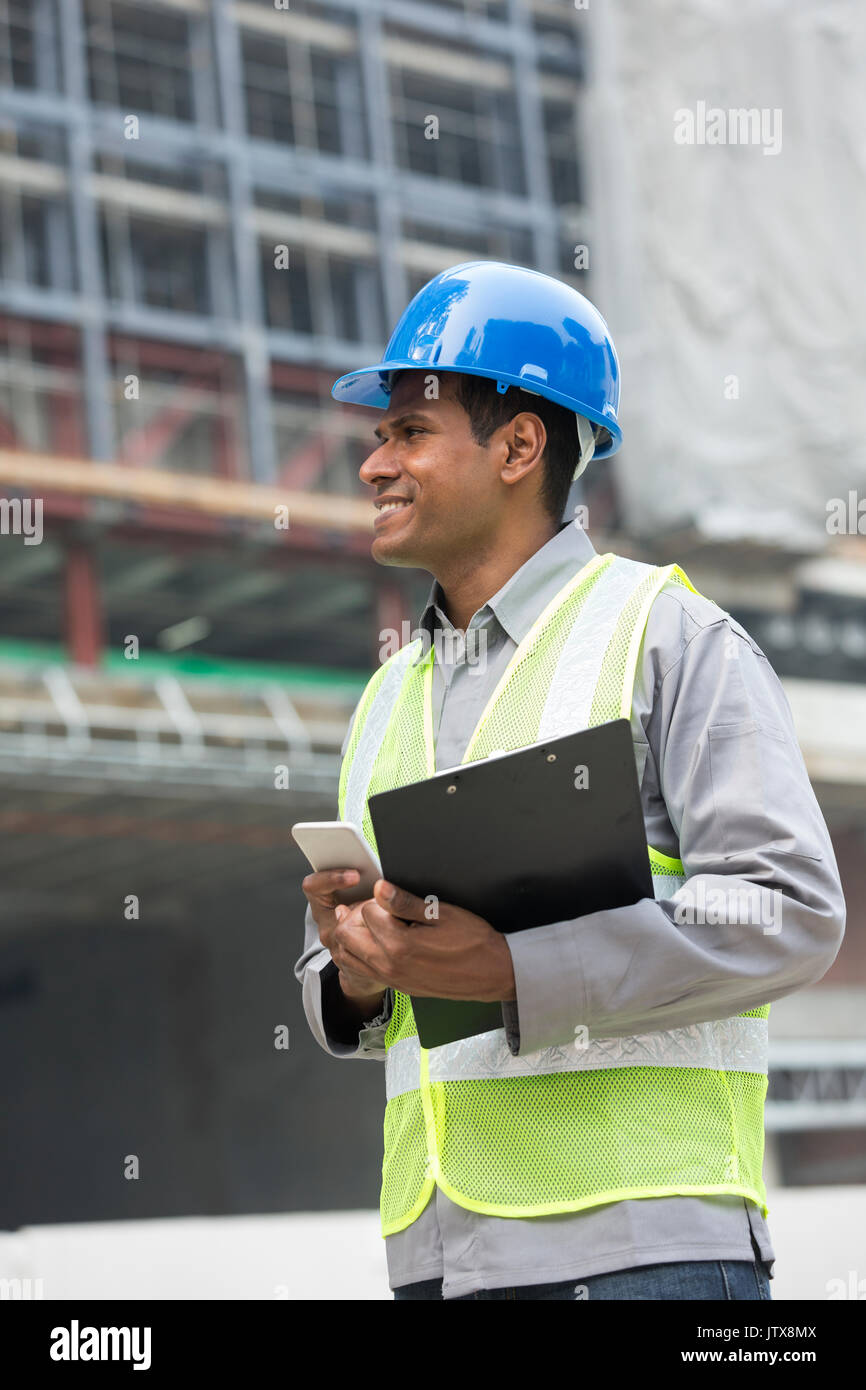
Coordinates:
568 1127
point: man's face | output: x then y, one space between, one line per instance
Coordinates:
444 481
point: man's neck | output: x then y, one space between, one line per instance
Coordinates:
468 585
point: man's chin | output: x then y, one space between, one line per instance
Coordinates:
391 552
401 548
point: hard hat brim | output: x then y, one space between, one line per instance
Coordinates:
369 386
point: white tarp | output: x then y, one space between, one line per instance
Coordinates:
731 268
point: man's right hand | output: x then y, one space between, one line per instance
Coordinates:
365 992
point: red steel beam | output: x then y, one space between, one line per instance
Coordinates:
8 433
142 447
40 333
82 606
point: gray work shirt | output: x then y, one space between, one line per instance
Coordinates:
724 788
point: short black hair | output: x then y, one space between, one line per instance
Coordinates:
488 410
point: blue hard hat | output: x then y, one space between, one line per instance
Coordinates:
514 325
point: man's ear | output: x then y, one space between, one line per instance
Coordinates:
525 439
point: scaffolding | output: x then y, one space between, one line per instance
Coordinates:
173 176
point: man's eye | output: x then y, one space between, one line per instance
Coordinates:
414 429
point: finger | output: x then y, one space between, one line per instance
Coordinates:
400 903
389 932
360 970
355 949
349 914
344 915
324 884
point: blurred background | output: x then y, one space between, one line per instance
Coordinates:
209 211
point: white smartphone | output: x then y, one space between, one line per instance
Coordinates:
338 844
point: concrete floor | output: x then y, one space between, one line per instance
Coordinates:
819 1236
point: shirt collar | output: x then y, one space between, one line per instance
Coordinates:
528 591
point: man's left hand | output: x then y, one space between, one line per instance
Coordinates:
432 949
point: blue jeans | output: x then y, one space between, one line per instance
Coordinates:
685 1279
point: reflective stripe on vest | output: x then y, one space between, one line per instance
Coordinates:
372 734
730 1044
569 698
677 1111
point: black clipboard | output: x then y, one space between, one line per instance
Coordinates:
541 835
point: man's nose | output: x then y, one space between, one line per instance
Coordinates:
379 464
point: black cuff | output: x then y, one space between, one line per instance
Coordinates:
511 1024
339 1019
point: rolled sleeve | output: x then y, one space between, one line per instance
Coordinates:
724 767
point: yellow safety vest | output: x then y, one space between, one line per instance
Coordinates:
677 1112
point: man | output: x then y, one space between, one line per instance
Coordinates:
607 1141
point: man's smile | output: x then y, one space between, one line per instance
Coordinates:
387 506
